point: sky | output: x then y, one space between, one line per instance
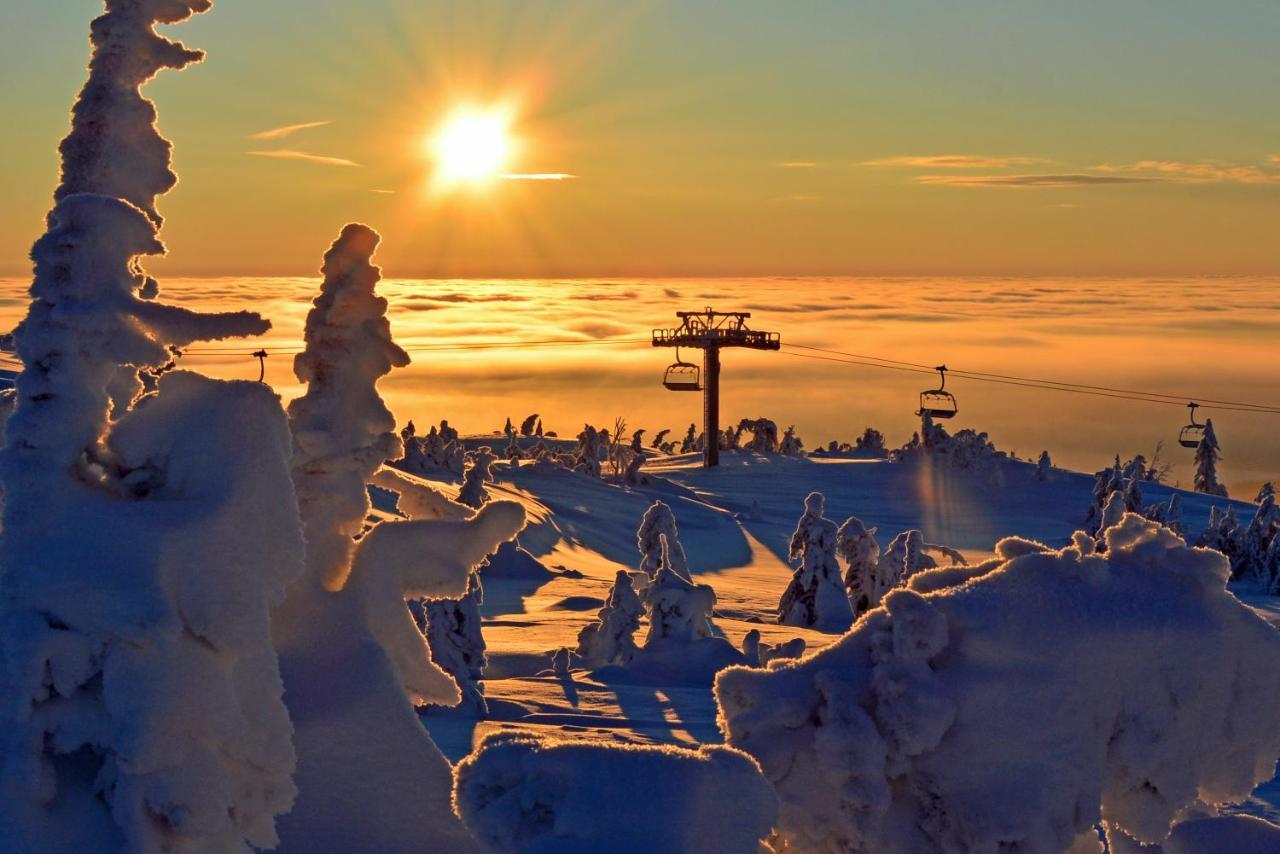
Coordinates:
703 137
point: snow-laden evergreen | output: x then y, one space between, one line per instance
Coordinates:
610 639
791 444
1208 452
815 596
452 627
1044 466
353 659
478 472
865 585
1022 703
764 435
658 540
690 441
1250 561
140 697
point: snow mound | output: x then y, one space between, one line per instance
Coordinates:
1117 688
520 793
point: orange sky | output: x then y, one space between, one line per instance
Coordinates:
714 138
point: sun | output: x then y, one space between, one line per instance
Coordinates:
472 146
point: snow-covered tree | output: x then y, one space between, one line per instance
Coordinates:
732 439
590 447
658 540
1208 453
537 430
349 615
452 627
448 435
678 609
342 430
1044 466
1112 513
1251 560
659 438
527 426
1223 534
906 555
764 435
513 452
871 441
637 441
690 442
475 476
143 546
816 595
632 474
791 445
1266 489
611 638
856 545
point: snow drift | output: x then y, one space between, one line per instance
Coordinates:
1044 693
518 793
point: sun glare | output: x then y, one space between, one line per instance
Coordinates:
472 146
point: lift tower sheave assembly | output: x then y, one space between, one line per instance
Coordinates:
709 331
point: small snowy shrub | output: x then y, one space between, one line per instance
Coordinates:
856 545
658 540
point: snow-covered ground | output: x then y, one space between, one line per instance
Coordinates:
735 522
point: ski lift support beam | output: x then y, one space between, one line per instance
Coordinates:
710 331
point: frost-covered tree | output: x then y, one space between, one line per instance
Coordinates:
764 435
1223 534
1208 453
632 474
871 441
1251 559
611 638
1044 466
637 441
342 430
452 627
816 595
143 545
590 446
791 445
658 540
513 452
906 555
856 545
1266 489
353 660
732 439
475 476
448 435
659 438
690 441
527 426
1112 513
678 609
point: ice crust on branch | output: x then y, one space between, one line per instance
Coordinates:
1116 688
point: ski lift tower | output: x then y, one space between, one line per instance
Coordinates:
709 331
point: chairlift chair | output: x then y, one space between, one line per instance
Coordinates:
1191 434
938 402
682 376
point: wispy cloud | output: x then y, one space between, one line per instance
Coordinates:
1076 180
287 130
1204 172
536 176
798 164
384 192
955 161
323 160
